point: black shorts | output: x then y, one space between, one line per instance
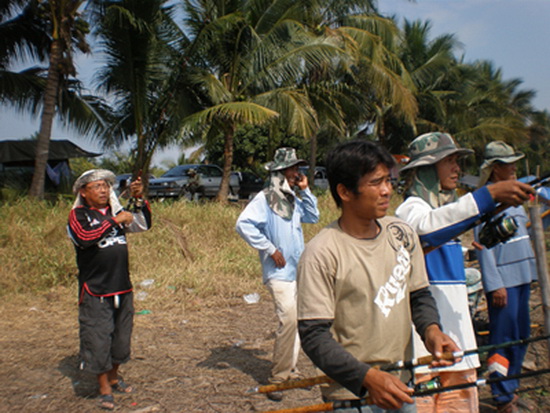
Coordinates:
105 331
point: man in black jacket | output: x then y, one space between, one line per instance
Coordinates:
97 226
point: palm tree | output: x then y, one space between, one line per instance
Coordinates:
21 39
33 30
494 109
429 63
348 96
67 31
138 39
471 101
245 59
538 144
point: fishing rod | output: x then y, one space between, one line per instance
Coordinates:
340 404
487 332
506 226
398 365
538 182
480 383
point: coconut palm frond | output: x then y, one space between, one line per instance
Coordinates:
295 109
234 112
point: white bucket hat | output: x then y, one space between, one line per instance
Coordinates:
97 175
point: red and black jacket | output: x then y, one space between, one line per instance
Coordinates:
101 249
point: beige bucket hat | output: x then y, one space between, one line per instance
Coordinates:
496 151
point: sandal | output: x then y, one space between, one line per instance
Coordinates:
122 387
106 402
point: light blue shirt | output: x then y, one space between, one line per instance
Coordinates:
267 232
509 263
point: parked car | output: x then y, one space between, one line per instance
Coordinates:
249 184
121 180
172 184
320 177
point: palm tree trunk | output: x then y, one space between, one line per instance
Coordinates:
382 131
312 159
46 121
141 153
227 163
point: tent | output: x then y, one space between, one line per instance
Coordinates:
22 152
17 159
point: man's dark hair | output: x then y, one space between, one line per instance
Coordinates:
348 162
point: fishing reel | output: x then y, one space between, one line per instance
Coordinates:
426 386
497 231
134 204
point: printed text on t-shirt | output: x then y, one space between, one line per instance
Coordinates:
393 291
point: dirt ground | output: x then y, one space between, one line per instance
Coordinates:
186 358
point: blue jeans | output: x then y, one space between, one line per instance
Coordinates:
508 323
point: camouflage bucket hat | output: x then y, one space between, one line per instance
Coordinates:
497 151
430 148
284 158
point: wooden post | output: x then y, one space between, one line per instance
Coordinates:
539 246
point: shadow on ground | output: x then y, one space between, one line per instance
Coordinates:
84 384
245 360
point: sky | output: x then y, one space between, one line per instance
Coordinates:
513 34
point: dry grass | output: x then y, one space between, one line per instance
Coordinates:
199 346
35 251
191 248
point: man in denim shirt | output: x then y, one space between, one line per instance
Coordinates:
271 223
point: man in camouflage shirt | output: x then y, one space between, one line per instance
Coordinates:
271 223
